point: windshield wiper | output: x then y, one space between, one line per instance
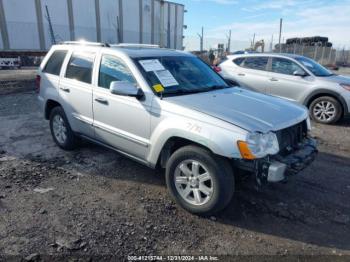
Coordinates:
218 87
193 91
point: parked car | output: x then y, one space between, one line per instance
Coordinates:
293 77
241 52
167 108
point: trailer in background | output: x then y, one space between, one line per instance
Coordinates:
10 62
32 26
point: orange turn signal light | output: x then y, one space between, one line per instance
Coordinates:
245 151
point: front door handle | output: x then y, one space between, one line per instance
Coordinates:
101 100
241 74
65 89
273 79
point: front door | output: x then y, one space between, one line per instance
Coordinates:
283 82
120 121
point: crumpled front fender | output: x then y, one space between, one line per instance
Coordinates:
219 140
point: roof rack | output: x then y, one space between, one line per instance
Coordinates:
135 45
84 43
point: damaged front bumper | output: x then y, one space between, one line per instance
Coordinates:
276 168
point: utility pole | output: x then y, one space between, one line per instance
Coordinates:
161 25
271 44
228 42
279 38
201 40
253 42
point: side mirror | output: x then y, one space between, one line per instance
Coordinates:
300 73
125 88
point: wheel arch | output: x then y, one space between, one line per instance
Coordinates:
49 105
324 92
174 143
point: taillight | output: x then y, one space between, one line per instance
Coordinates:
37 83
217 69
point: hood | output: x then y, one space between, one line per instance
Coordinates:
336 79
246 109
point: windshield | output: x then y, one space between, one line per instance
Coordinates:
314 67
174 75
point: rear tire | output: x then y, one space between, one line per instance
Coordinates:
199 181
61 131
325 110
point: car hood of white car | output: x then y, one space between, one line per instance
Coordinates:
249 110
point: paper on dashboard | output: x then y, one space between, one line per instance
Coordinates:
151 65
166 78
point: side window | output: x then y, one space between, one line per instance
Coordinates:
113 69
284 66
54 64
80 67
257 63
238 61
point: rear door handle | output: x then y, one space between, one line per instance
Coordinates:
65 89
241 74
101 100
273 79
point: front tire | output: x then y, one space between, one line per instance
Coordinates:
61 131
325 110
199 181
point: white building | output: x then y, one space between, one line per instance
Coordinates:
24 25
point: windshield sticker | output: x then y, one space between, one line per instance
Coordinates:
158 88
166 78
151 65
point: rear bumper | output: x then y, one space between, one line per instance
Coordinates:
278 168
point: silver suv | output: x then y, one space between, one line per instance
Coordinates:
167 108
293 77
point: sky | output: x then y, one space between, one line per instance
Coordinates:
330 18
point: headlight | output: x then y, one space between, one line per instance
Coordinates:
346 86
259 145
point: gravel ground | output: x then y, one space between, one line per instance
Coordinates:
97 204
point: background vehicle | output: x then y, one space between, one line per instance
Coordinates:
168 108
292 77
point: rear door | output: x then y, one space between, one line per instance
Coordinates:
252 73
76 90
282 81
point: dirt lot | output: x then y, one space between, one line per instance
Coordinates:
93 202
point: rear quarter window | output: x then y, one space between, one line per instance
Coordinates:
54 64
238 61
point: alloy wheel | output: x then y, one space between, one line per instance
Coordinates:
59 129
193 182
324 111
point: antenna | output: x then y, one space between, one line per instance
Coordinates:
52 35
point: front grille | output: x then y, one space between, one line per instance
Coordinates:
289 138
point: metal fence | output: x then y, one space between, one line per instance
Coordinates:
322 54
